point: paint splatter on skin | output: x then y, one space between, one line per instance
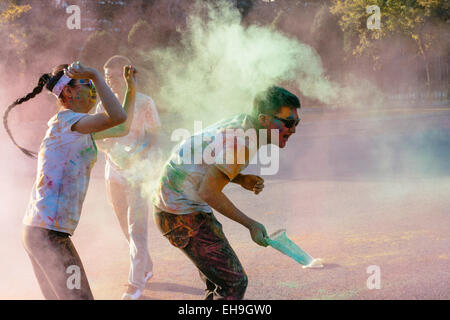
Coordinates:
284 132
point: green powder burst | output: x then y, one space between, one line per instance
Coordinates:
222 64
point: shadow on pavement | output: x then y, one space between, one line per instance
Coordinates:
173 287
331 266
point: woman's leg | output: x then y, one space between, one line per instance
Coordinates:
44 283
59 262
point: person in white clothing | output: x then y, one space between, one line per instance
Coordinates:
66 157
125 190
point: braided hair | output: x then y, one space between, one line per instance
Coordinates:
46 80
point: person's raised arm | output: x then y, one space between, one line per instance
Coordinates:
114 113
129 102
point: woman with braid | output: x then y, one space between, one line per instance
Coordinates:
66 157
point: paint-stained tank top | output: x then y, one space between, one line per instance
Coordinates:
65 161
181 177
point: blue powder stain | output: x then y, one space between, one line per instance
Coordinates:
292 285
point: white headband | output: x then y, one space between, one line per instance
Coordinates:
59 86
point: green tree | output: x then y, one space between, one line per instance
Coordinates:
10 11
414 20
12 32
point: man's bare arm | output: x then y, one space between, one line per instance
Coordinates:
211 192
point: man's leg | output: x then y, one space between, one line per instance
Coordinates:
211 252
140 260
44 283
201 238
118 199
211 287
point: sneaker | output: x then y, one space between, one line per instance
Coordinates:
209 295
148 275
132 293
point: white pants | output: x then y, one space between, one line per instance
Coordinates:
137 218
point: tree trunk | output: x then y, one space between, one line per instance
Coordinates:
427 66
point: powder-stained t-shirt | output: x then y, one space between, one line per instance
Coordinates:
145 119
177 190
65 161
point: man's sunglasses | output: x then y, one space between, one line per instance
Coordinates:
288 123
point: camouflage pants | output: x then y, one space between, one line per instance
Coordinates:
200 237
56 263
